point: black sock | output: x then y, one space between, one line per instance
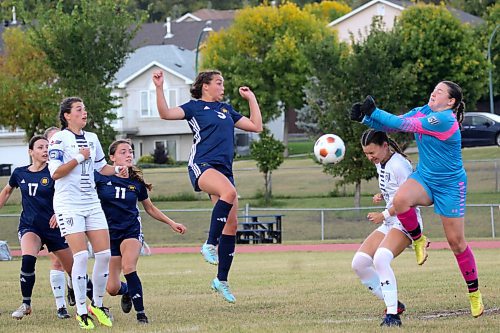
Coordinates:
27 277
218 221
135 290
226 254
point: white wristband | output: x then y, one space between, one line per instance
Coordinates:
117 169
79 158
386 214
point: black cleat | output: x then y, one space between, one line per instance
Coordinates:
62 313
126 303
391 320
71 297
142 319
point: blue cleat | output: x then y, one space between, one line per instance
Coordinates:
209 252
222 287
391 320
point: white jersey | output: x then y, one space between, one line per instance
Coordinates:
76 190
390 177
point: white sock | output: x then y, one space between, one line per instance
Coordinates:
382 261
79 279
58 284
362 264
100 275
69 282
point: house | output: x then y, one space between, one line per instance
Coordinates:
358 21
138 115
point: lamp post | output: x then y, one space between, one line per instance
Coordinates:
207 29
492 107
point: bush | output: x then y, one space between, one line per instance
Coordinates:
146 159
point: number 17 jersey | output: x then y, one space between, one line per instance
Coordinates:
76 190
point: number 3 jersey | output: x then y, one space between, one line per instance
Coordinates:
37 189
76 190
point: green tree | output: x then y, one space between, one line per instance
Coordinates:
374 66
268 153
85 47
442 48
268 49
28 97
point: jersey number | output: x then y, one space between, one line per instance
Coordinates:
32 189
86 166
120 192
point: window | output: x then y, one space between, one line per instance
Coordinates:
381 10
145 107
172 98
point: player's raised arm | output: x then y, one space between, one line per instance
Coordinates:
172 113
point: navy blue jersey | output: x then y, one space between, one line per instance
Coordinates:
119 197
37 190
212 124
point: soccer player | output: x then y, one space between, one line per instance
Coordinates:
440 177
119 196
74 154
57 279
211 160
372 262
37 192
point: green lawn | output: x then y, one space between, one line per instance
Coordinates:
289 292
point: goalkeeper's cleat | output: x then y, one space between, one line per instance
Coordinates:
209 252
420 245
142 319
102 314
85 322
401 308
476 303
71 297
62 313
23 310
222 287
391 320
126 303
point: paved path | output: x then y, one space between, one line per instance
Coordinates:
490 244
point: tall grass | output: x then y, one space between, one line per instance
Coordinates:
289 292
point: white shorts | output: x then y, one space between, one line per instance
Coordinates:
393 222
72 222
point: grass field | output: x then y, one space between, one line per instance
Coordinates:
289 292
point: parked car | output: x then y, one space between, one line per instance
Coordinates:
480 129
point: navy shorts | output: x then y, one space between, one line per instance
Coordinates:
117 237
197 169
51 238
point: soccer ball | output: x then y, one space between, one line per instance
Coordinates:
329 149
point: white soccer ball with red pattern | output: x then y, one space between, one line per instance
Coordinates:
329 149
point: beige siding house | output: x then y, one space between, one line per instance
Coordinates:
138 115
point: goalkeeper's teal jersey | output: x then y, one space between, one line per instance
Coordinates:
437 135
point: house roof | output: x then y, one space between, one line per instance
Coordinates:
208 14
171 58
184 34
401 5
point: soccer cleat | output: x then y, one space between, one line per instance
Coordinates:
420 245
85 322
62 313
476 303
126 303
209 252
71 297
401 308
23 310
391 320
102 314
142 319
222 287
